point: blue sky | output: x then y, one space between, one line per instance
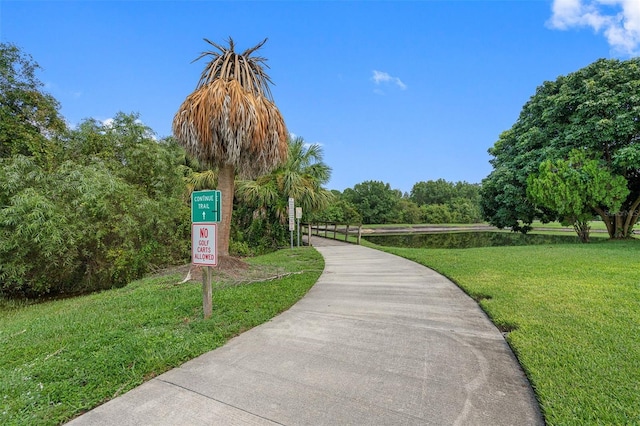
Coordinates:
399 92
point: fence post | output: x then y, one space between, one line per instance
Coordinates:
346 233
359 233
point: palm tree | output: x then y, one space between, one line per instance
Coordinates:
301 177
230 122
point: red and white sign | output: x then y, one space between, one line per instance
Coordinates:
204 247
292 225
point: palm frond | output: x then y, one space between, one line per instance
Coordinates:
221 123
299 177
226 64
197 181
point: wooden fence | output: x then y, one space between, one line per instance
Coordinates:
336 231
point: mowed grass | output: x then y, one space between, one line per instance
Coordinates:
574 316
61 358
596 225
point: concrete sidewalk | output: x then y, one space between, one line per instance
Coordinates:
379 340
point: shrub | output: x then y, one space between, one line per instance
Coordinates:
80 228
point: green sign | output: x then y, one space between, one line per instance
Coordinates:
205 206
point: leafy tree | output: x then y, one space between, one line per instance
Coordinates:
90 222
437 213
29 117
338 211
462 201
594 110
302 177
375 200
230 122
504 204
467 191
128 148
81 209
574 187
409 211
432 192
465 210
77 228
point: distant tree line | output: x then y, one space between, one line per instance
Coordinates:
433 201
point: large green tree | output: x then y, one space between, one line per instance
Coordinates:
231 123
109 210
573 187
29 116
376 201
86 208
432 192
339 210
594 110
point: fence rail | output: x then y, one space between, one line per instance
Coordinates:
333 230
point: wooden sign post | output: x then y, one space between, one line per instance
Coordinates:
204 252
205 213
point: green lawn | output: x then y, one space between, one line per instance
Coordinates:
574 312
61 358
414 225
596 225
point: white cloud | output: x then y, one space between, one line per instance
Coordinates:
381 77
619 20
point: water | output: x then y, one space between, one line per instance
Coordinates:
469 239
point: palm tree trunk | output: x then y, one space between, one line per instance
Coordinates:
226 178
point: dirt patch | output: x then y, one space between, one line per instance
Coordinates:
229 271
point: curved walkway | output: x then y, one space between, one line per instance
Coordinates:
379 340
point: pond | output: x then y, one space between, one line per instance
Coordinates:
469 239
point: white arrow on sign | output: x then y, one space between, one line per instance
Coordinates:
204 215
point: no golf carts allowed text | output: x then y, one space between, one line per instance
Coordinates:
203 244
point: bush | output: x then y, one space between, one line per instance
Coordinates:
437 213
82 209
80 228
266 235
338 211
239 248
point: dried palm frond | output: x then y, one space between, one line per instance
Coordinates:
222 123
228 65
230 118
